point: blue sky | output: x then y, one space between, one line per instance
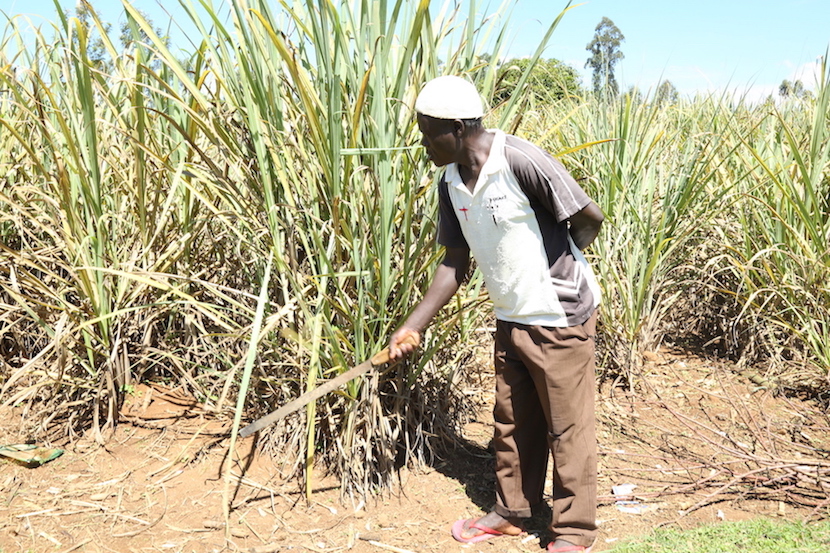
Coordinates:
700 45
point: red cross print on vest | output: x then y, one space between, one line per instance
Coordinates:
464 210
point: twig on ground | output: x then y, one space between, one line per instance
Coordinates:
384 546
734 451
149 525
76 546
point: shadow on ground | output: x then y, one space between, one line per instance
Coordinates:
473 467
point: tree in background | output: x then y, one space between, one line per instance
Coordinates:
635 94
666 93
605 53
793 89
96 49
550 80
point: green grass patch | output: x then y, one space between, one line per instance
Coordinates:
756 536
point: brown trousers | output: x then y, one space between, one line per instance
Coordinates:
545 403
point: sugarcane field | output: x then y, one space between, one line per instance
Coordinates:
207 245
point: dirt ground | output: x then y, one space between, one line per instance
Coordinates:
701 443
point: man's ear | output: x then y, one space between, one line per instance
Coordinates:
458 127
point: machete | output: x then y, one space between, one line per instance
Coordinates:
379 358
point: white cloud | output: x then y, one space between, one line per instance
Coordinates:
756 94
808 73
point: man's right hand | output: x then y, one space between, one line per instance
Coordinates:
445 283
399 346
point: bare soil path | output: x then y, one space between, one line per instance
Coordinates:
701 444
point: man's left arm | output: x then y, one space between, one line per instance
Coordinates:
585 225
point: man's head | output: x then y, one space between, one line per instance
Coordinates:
450 97
449 110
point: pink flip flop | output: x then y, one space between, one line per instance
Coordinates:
466 524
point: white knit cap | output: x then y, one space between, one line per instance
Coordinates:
450 97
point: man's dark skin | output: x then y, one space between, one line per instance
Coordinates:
467 144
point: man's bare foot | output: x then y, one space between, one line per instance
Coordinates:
490 525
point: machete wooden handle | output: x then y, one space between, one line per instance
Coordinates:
382 356
330 385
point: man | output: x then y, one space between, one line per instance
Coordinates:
525 220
